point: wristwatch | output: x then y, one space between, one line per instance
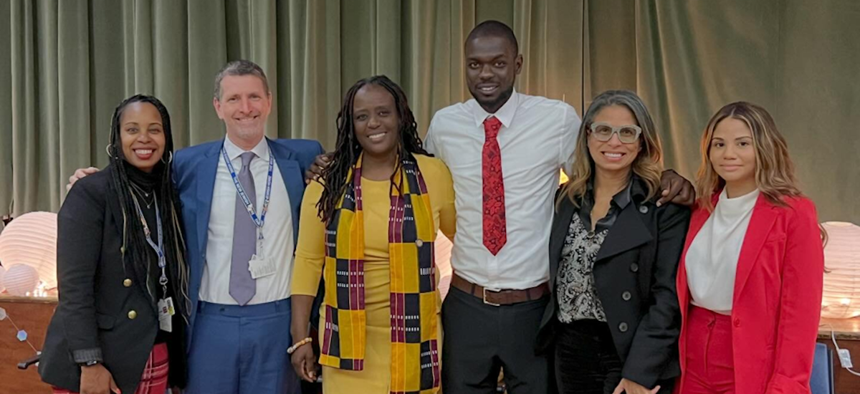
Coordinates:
90 363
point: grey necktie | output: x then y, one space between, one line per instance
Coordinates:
242 286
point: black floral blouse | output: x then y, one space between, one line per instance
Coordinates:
577 299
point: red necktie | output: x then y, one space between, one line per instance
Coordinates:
495 235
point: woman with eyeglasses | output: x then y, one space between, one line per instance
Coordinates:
613 321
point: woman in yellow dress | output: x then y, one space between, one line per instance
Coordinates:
367 229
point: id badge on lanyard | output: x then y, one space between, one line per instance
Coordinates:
165 306
259 265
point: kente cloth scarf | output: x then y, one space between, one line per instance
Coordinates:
411 236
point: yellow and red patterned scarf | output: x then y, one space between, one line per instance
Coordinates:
411 235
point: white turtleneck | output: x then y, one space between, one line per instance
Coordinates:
712 259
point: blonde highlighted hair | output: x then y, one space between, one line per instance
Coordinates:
774 170
648 164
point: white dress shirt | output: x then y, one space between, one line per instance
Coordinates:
712 259
277 230
537 139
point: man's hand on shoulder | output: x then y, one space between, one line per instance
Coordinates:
80 173
676 189
315 169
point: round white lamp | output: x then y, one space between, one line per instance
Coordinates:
31 239
21 280
443 262
842 271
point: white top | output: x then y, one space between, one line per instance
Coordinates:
537 139
277 231
712 259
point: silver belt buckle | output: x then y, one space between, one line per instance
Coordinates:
485 296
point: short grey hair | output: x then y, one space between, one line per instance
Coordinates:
239 68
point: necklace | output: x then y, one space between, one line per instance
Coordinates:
145 196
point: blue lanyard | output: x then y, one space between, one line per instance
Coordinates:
249 206
158 248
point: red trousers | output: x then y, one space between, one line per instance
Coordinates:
154 378
710 367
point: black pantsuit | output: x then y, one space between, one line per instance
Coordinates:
585 347
634 278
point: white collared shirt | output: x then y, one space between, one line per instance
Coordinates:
712 260
277 230
537 138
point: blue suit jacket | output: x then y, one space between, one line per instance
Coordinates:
194 170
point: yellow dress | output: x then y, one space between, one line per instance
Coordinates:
310 256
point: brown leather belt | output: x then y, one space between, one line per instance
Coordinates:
500 297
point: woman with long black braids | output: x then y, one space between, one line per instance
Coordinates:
119 325
367 228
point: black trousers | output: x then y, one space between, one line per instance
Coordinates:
585 360
481 339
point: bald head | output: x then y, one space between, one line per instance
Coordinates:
492 28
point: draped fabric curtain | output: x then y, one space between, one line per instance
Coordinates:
67 63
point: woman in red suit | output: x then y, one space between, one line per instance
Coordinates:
750 279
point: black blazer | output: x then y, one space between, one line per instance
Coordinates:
634 275
96 308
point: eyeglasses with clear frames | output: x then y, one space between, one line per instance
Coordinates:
627 134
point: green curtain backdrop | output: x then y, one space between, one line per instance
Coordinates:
65 64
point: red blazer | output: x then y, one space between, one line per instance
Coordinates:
776 305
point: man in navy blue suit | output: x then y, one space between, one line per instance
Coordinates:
240 207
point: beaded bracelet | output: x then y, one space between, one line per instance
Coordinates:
299 344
